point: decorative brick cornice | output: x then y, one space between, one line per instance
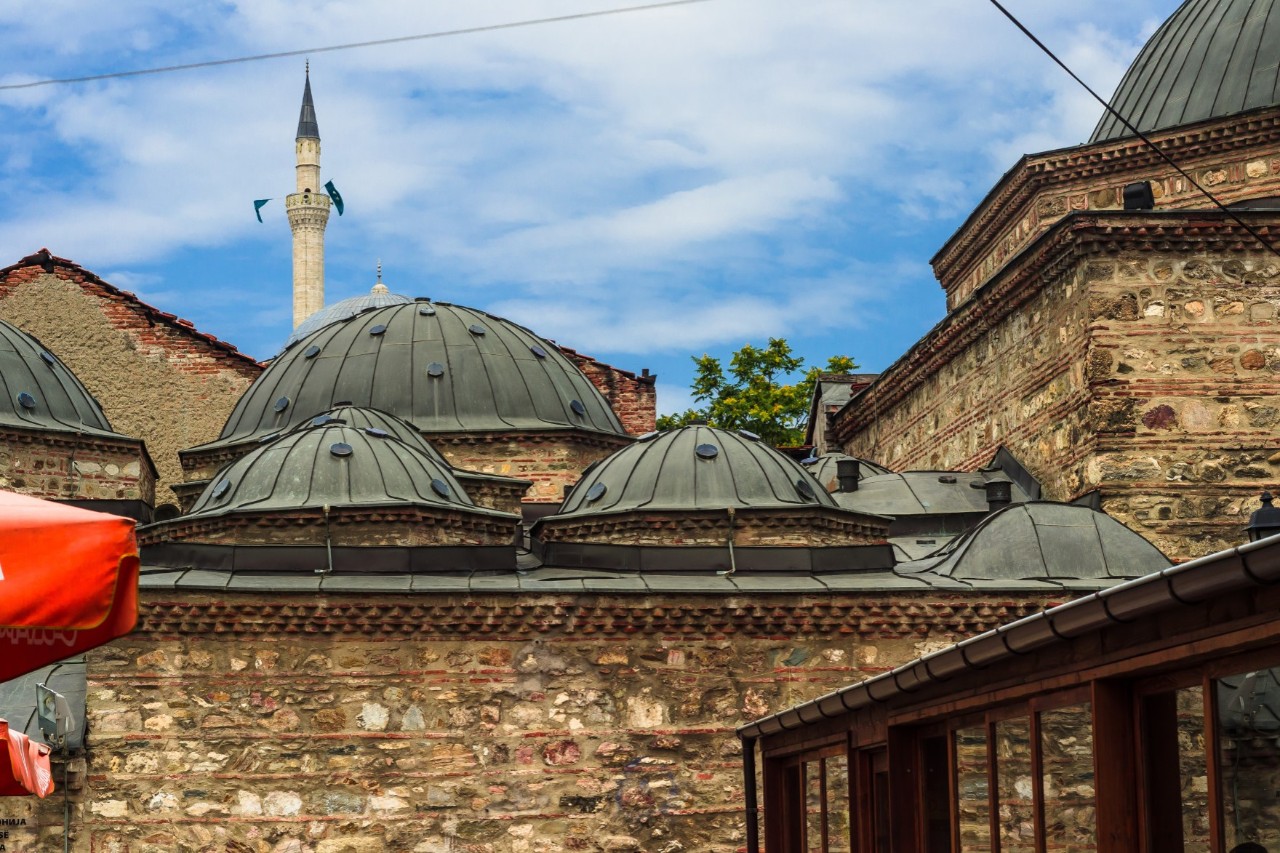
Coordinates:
1012 197
389 525
1071 240
573 355
44 261
532 438
812 526
514 617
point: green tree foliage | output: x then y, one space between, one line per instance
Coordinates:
755 395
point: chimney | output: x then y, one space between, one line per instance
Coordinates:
847 473
999 493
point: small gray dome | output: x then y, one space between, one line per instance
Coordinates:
1211 59
443 368
823 469
694 467
38 392
373 422
914 493
379 297
335 465
1043 541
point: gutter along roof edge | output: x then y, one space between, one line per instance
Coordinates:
1243 567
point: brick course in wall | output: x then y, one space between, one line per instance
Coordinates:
72 466
271 722
156 377
551 459
633 398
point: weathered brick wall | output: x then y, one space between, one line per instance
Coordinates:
74 467
156 377
551 460
490 725
1185 366
1234 159
634 399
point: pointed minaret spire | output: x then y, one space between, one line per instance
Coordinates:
308 211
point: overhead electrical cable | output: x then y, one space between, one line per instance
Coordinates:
168 69
1142 136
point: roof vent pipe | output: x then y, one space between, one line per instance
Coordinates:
848 472
999 494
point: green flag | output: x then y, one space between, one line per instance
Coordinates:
257 207
335 195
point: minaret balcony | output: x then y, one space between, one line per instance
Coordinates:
312 199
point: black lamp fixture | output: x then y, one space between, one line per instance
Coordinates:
1139 196
1265 520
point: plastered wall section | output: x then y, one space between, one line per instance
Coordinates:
437 723
153 382
1185 367
1021 384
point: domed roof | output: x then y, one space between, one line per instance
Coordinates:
335 465
913 493
373 422
443 368
694 467
378 297
1042 541
823 468
38 392
1212 58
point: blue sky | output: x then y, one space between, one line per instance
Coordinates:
641 187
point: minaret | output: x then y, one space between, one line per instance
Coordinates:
308 210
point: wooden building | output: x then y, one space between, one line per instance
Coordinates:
1140 718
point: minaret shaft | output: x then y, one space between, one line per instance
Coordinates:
308 211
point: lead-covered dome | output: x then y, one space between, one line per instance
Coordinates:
378 297
696 467
444 368
1211 59
38 392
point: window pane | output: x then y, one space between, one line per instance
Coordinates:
1193 770
973 797
813 805
1015 787
1066 750
1248 729
838 804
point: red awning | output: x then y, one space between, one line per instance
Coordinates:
68 581
24 765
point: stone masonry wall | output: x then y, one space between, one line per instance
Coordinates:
550 460
156 379
1020 383
1235 159
74 467
434 723
1185 365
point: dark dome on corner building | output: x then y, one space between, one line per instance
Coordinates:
1064 545
696 467
444 368
38 392
1211 59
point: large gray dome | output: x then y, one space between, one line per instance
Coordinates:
444 368
691 468
1211 59
38 392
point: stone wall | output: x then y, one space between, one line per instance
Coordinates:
550 460
437 723
986 378
70 466
1132 354
1235 159
155 376
1185 367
